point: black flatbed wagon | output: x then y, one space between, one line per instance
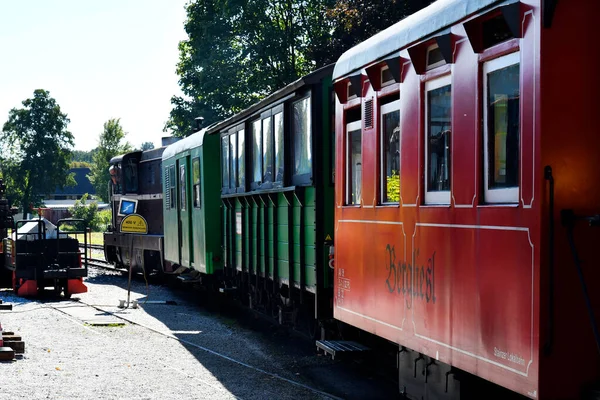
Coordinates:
41 256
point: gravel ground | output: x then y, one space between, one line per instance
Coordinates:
163 351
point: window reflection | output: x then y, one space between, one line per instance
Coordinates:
196 180
439 122
256 151
232 160
225 160
301 131
390 140
267 155
354 159
278 125
182 187
241 171
503 127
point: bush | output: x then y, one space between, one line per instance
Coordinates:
105 219
87 212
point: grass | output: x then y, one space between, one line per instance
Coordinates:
97 238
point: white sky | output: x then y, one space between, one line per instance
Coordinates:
99 59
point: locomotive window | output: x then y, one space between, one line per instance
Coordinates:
225 161
438 111
182 188
257 152
267 155
302 134
278 126
131 176
172 186
353 163
241 171
390 152
196 180
501 129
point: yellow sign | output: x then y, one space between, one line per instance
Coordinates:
328 238
134 223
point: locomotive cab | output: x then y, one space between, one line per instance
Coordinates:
135 192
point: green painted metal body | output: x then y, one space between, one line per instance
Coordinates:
279 234
193 228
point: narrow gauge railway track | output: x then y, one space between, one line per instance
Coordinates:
95 262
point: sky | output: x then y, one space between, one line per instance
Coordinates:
98 59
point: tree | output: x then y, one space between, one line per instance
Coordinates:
84 156
241 50
147 146
80 164
37 151
238 51
110 145
350 22
87 212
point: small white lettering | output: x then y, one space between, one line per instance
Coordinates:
514 358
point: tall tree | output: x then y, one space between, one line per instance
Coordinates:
240 50
147 146
83 156
110 144
36 160
237 52
349 22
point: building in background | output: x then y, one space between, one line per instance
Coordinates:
57 204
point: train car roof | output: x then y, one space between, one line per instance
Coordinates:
418 26
196 139
145 155
188 143
312 78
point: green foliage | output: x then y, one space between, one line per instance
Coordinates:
84 156
240 50
111 144
237 52
104 218
37 150
393 187
349 22
87 212
80 164
147 146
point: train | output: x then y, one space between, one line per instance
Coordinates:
436 188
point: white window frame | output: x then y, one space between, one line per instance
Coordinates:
436 197
386 83
352 126
386 109
505 195
434 65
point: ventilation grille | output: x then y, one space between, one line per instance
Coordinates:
167 191
368 113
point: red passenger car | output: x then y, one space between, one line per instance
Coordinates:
463 134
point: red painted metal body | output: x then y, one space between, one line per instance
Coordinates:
468 283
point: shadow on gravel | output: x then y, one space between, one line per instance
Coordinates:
269 347
293 352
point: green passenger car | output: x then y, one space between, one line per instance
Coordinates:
192 222
277 199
